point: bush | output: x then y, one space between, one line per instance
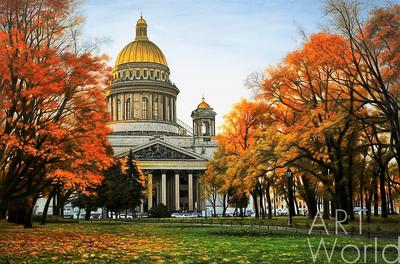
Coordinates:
54 219
159 211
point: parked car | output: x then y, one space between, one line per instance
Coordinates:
303 211
281 211
123 216
176 215
185 215
359 210
249 213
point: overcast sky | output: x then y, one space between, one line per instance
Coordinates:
210 46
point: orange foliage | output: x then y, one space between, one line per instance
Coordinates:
53 108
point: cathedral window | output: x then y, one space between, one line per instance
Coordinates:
158 75
151 74
163 75
118 109
128 108
145 73
137 73
144 108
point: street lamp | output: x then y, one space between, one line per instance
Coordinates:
289 175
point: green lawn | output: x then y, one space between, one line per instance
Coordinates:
377 226
169 243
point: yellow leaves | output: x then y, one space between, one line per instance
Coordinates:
88 243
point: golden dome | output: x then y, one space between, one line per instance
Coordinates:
203 104
142 49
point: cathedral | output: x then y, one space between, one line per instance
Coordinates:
142 103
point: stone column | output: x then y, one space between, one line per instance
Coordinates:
190 190
115 100
150 191
141 206
177 198
164 188
123 107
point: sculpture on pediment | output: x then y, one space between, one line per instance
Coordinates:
158 151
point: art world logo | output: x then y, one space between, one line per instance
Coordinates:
350 253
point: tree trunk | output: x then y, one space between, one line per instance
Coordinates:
225 206
261 210
56 211
46 207
28 217
12 214
274 193
87 214
214 209
333 208
291 197
269 201
325 206
382 190
21 211
350 206
368 197
296 205
254 195
310 196
60 205
361 193
3 210
375 190
390 196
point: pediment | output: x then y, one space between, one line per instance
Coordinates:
207 112
161 150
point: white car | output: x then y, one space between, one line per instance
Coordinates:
184 215
176 215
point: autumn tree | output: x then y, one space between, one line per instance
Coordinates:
240 133
317 129
52 107
374 59
213 181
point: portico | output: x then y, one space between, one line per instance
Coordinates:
177 189
172 174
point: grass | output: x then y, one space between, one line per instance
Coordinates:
380 227
119 242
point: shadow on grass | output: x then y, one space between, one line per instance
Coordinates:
250 233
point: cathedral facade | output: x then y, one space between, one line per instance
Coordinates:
142 103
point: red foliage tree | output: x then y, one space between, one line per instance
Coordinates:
52 107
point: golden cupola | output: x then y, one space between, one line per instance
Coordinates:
203 104
141 50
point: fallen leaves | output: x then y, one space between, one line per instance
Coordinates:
80 244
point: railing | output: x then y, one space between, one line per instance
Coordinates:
186 127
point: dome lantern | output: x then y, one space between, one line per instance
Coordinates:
141 29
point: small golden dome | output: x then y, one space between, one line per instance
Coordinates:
141 21
142 49
203 104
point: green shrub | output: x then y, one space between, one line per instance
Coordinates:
159 211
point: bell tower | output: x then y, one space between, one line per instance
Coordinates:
203 126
